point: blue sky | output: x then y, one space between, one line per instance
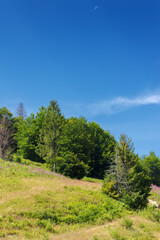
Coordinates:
98 58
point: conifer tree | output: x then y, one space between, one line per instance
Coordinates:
20 111
49 135
127 179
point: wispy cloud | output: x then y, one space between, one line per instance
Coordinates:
121 104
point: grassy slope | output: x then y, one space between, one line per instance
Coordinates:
38 204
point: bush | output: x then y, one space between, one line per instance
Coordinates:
15 158
110 188
71 166
127 223
116 235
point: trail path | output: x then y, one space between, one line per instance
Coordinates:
101 231
86 234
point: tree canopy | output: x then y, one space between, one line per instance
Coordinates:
152 163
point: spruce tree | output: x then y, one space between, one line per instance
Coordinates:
127 178
50 133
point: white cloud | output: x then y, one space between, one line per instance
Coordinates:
121 103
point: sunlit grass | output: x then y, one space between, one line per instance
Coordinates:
36 203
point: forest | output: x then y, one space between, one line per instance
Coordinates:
77 148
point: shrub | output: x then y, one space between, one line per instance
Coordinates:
110 188
127 223
71 166
15 158
116 235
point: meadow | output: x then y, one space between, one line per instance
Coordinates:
36 203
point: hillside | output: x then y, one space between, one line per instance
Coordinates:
38 204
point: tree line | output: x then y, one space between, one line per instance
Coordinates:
73 146
77 148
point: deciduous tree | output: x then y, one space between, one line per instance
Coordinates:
27 135
5 133
152 162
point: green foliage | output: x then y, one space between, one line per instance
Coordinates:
27 135
152 213
5 113
47 225
91 209
127 223
116 235
71 166
139 185
102 152
152 163
110 188
128 177
15 158
75 138
74 148
91 146
77 147
50 133
95 238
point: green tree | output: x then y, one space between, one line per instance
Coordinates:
102 151
27 134
70 165
50 133
152 163
130 180
74 147
91 146
5 113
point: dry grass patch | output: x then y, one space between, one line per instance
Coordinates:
142 229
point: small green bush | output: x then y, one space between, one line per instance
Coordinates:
48 225
15 158
110 189
156 215
152 213
116 235
127 223
70 165
95 238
